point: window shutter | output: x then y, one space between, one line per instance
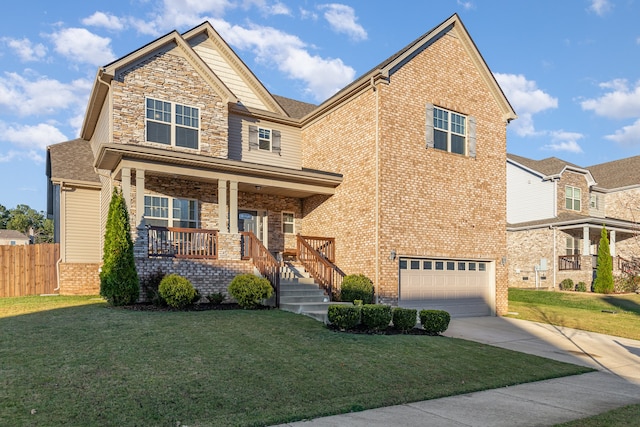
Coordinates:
275 141
253 138
429 129
472 136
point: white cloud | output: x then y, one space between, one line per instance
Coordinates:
179 14
322 76
466 5
105 20
81 46
600 7
526 99
25 49
29 140
628 135
275 8
309 14
342 19
620 103
564 141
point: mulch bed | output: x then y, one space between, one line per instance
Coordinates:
390 330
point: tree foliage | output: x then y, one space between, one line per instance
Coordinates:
119 282
26 220
603 283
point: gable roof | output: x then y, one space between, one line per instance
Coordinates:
618 173
551 167
12 234
71 161
295 109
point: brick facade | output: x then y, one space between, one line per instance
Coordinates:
576 180
79 279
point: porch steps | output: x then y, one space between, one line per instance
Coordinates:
301 295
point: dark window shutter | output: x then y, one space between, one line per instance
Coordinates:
253 138
472 136
275 141
429 128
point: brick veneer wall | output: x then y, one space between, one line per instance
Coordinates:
79 279
431 203
577 180
623 204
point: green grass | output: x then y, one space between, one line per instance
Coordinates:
586 311
89 364
626 416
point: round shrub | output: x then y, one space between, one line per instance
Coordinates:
250 290
177 291
357 287
435 321
404 319
567 285
375 316
344 316
581 287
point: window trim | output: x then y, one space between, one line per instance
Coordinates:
292 223
470 131
573 198
173 125
170 207
275 142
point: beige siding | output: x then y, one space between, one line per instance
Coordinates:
101 134
82 220
105 200
226 73
289 156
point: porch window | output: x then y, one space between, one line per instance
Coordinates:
573 246
172 124
572 197
183 212
288 222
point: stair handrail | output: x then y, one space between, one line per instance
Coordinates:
325 273
629 266
268 266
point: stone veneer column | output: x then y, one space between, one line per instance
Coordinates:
139 197
612 243
586 246
126 187
233 207
222 206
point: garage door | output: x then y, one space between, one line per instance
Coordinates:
462 287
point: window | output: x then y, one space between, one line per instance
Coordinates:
427 265
415 264
403 264
264 139
181 129
449 132
183 212
572 197
593 202
573 246
287 222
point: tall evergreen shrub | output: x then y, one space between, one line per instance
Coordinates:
603 283
119 282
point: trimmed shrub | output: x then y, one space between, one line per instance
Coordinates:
344 316
216 298
567 285
581 287
250 290
375 316
177 291
404 319
357 287
435 321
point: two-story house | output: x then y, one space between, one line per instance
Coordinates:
398 176
556 211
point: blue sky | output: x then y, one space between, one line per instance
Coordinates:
571 69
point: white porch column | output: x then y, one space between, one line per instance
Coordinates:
586 245
612 242
126 187
233 207
139 197
222 206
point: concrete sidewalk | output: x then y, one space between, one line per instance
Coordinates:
542 403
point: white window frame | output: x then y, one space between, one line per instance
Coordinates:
170 218
292 223
265 139
572 199
593 201
573 245
169 115
452 124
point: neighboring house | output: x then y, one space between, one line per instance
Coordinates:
555 214
13 238
398 176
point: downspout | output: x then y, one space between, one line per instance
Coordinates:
377 198
555 258
57 289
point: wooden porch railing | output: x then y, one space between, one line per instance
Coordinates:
629 266
319 265
569 262
326 246
182 242
265 262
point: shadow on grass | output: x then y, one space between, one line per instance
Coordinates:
623 303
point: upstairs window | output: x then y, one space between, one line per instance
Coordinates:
594 202
450 131
264 139
572 197
172 124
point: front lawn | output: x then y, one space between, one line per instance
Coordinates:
612 314
95 365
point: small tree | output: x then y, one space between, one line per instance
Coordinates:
119 282
603 283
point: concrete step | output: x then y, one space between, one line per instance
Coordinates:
305 293
297 280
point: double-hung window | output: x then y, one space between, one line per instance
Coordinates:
264 139
287 222
572 197
449 131
183 212
172 124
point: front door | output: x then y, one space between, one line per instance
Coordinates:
252 220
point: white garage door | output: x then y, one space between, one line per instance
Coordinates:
463 288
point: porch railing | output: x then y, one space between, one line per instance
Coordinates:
326 246
629 266
569 262
177 242
319 266
264 261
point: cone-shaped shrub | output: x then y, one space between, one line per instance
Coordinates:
603 283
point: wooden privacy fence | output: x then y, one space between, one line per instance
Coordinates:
28 269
